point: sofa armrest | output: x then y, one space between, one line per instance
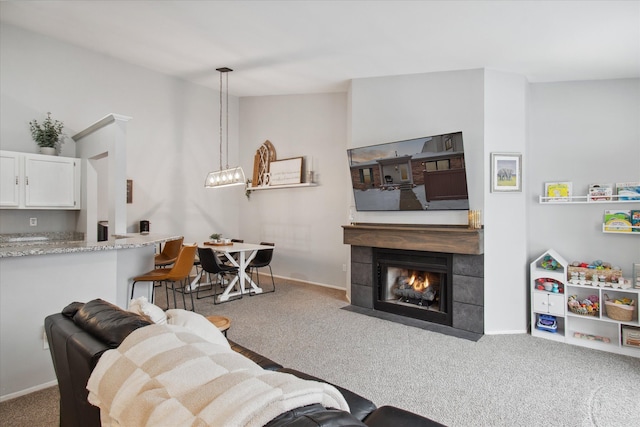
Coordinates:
359 406
263 362
74 353
386 416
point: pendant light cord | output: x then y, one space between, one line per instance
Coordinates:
220 120
227 95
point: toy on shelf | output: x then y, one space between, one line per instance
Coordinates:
591 337
549 263
546 322
549 285
590 306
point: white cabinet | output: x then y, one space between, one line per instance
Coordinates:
9 179
544 302
35 181
594 330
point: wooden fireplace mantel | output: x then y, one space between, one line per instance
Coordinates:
455 239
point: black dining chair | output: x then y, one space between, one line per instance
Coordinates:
211 264
262 260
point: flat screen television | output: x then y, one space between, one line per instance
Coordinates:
418 174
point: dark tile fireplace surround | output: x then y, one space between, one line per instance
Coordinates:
467 284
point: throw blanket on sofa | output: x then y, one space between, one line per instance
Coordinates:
165 375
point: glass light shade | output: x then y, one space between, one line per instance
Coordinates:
225 178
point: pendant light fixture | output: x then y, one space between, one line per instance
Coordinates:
228 176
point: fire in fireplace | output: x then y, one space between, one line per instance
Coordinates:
414 284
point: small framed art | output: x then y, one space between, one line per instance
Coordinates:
506 172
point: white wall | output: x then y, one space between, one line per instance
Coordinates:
505 214
172 137
304 223
583 132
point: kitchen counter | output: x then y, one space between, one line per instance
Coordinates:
40 273
42 245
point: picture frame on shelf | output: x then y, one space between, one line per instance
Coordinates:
506 172
558 191
287 171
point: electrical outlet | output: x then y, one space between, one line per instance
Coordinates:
45 342
33 222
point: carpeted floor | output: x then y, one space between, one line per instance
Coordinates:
499 380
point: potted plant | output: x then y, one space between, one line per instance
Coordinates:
215 237
48 135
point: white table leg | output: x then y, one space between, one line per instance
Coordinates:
194 283
254 288
227 291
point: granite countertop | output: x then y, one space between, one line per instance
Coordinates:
55 243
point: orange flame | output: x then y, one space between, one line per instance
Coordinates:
417 284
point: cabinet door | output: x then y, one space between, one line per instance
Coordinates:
50 182
556 304
540 302
9 180
548 303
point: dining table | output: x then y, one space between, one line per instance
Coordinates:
245 252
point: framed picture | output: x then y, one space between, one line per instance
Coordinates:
506 172
283 172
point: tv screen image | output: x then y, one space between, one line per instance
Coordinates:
418 174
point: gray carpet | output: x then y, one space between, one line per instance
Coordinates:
499 380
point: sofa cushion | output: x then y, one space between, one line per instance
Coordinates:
264 362
359 406
108 322
315 416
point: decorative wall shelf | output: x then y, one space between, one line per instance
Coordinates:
632 230
272 187
582 199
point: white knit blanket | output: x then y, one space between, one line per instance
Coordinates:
165 375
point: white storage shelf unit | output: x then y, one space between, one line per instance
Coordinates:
582 328
547 302
594 331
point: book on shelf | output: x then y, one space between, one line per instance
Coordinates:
635 220
600 192
617 220
558 191
628 190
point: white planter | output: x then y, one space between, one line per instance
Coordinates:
51 151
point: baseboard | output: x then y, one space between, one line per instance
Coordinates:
290 279
28 391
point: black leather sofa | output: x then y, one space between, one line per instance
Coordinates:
81 333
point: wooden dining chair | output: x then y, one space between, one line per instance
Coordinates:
262 260
178 274
169 253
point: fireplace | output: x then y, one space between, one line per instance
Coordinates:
449 257
414 284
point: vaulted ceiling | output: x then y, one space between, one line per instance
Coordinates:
290 47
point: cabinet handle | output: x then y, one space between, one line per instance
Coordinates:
16 179
26 180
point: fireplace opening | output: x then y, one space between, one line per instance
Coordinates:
414 284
